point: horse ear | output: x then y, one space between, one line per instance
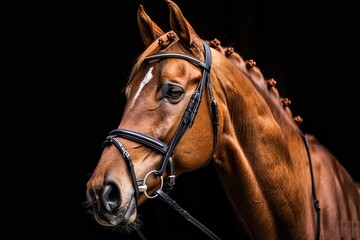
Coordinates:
182 27
148 29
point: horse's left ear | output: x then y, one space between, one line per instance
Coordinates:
149 30
182 28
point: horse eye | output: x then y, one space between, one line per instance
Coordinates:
172 92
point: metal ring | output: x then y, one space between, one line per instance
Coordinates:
144 184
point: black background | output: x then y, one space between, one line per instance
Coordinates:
84 53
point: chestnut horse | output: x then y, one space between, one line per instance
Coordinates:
191 102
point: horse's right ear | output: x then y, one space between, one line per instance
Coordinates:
148 29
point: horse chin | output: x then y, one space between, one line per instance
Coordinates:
124 217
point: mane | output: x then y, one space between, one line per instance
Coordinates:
279 106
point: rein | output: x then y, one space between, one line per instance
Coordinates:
316 201
168 149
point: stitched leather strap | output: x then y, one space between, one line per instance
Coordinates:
167 199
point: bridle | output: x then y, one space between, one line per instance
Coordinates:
185 123
168 149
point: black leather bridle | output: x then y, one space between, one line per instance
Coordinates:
167 150
185 123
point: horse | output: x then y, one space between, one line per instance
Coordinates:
191 102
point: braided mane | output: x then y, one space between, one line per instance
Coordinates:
279 106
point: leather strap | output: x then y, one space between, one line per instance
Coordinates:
167 199
316 201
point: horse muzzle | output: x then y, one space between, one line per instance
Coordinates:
108 207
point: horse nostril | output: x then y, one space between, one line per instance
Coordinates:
111 196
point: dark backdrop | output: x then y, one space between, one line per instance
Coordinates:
88 49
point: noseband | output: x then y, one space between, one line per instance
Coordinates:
186 122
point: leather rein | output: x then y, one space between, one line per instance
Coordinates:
168 149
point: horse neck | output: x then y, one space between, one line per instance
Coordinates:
260 158
266 87
278 106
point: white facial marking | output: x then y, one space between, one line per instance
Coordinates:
145 81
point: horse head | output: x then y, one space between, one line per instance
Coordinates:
167 123
188 104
